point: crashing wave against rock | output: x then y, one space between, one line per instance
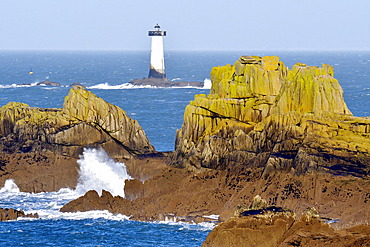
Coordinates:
51 140
260 114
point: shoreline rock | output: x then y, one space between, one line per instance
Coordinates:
12 214
48 83
188 195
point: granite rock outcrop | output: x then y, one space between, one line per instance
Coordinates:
262 115
39 147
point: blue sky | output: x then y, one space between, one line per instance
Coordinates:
190 24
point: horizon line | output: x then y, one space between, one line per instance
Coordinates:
187 50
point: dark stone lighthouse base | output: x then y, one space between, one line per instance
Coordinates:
165 83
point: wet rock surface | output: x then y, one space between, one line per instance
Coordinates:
48 83
185 195
12 214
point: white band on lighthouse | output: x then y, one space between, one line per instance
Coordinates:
157 54
157 69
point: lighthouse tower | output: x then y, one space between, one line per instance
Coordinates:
157 54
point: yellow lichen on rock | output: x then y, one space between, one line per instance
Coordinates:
310 89
260 113
85 119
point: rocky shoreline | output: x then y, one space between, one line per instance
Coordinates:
264 129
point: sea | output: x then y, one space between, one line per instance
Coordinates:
160 113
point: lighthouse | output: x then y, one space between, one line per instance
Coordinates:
157 54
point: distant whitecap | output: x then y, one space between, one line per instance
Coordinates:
121 86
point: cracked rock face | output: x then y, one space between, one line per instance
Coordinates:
52 139
262 114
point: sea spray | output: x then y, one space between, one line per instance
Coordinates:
207 84
10 187
99 172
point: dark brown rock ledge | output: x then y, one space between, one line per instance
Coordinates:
12 214
276 227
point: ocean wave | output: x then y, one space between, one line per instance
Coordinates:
207 84
212 216
14 85
48 204
107 86
9 187
121 86
203 226
97 171
93 214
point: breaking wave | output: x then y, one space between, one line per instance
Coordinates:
107 86
14 85
9 187
99 172
207 84
121 86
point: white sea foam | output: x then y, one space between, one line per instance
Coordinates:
204 226
18 85
93 214
107 86
99 172
48 204
207 84
121 86
212 216
9 187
